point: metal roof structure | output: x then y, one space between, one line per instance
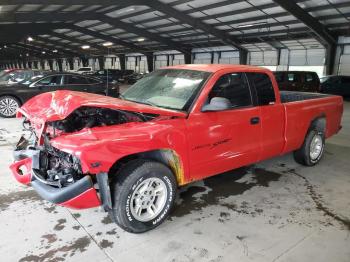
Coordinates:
61 27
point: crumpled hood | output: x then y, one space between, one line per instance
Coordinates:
58 105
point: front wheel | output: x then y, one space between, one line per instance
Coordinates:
312 149
143 195
8 106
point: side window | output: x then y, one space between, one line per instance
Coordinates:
345 80
75 80
291 77
50 81
279 77
234 87
93 80
309 78
263 86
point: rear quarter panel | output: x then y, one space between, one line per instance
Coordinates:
300 114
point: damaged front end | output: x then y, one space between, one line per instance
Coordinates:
57 176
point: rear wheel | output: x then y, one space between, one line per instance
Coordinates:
143 195
312 149
8 106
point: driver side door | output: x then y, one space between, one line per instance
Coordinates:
223 140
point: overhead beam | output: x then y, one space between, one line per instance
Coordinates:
318 28
76 52
195 23
18 32
65 2
130 46
142 32
77 41
67 16
249 19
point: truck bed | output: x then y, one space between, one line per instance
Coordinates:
292 96
302 108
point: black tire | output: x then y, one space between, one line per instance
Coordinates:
303 156
127 181
2 106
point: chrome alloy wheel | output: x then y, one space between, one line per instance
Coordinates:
8 106
148 199
316 147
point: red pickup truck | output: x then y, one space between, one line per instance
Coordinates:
177 125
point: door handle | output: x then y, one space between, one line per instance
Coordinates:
255 120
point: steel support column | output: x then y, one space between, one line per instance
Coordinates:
150 62
330 59
60 62
101 62
243 57
122 61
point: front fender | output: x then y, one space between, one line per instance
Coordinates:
99 148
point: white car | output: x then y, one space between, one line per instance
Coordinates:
82 70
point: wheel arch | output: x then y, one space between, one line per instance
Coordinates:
12 95
168 157
319 123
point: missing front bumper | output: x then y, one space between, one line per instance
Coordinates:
78 195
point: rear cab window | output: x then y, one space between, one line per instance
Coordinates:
262 86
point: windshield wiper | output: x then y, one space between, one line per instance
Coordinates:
149 103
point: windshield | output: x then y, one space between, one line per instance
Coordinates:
167 88
324 79
31 80
6 77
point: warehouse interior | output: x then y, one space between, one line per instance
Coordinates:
274 210
277 34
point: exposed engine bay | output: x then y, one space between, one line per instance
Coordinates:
88 117
49 165
57 168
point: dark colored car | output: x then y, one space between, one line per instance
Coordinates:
13 96
336 85
133 78
303 81
110 74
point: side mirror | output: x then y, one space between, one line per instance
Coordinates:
217 104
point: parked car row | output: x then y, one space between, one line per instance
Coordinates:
306 81
15 95
121 76
336 85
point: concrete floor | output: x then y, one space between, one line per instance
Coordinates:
276 210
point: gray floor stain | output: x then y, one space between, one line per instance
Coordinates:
51 209
54 254
105 244
26 196
107 220
50 238
60 225
223 186
317 198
